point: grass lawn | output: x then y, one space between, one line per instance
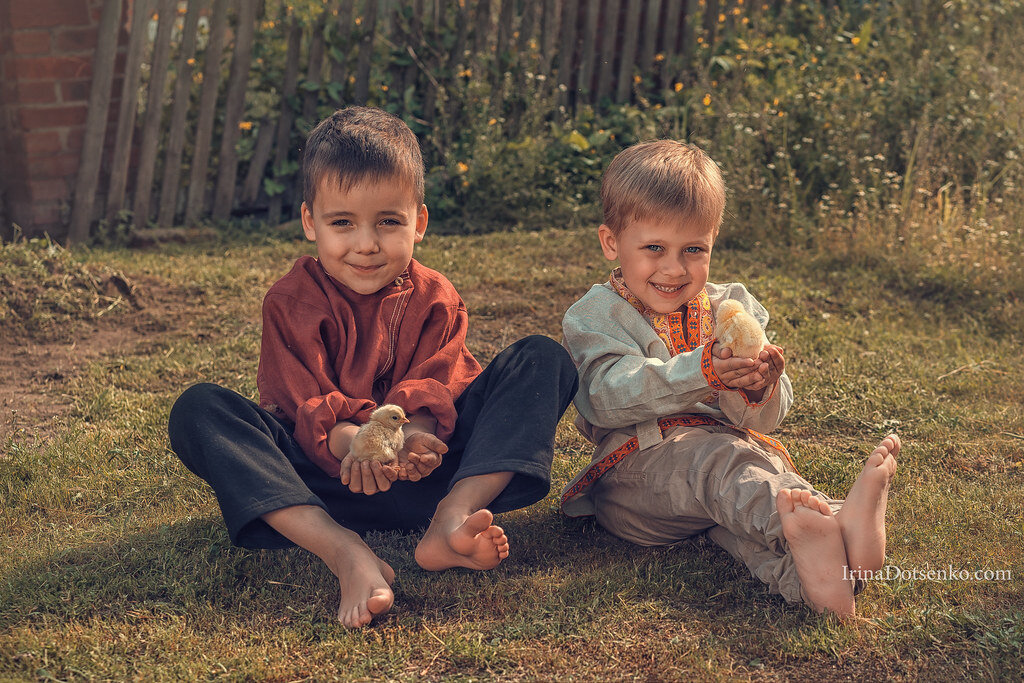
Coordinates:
114 562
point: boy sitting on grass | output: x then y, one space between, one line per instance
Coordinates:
362 325
678 422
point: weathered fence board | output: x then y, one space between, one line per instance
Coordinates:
87 181
169 188
194 205
424 59
238 83
126 117
146 168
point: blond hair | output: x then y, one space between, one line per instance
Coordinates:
662 179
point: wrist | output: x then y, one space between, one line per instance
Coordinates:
340 438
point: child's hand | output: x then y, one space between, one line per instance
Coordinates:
368 476
420 455
772 365
735 373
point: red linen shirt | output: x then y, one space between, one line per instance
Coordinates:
330 354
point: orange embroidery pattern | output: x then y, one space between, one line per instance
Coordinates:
598 469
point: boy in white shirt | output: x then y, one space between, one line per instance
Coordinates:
678 422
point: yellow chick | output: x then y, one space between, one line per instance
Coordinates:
738 330
381 437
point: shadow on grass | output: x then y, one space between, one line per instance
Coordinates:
555 563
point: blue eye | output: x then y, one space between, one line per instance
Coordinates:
694 250
656 248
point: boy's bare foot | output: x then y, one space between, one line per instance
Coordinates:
862 517
816 543
365 589
457 541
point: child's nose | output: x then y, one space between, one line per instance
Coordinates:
366 241
673 266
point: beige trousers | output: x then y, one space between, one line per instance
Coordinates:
713 479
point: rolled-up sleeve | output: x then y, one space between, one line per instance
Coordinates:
296 378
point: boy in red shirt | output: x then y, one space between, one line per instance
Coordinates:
363 325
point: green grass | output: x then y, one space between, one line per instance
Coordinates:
114 563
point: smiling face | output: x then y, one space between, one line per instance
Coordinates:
665 264
364 233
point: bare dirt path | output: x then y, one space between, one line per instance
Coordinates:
35 369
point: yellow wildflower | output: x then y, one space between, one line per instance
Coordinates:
245 125
637 79
707 99
462 167
678 87
721 18
659 57
191 61
492 122
855 40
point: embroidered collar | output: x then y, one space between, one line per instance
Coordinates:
683 330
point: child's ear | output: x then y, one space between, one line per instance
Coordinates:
421 223
609 244
307 223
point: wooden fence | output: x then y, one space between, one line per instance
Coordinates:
218 94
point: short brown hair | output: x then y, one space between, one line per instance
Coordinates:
356 144
662 178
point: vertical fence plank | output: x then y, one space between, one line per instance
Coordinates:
414 38
627 53
549 29
567 51
588 55
224 193
258 163
194 205
314 69
146 169
456 63
649 38
669 42
689 33
284 122
87 180
176 135
710 22
609 39
339 67
127 113
366 40
430 58
502 55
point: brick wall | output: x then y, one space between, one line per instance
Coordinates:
46 50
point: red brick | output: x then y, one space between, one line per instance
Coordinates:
30 43
52 68
75 91
77 40
34 118
36 92
53 167
41 142
41 190
47 13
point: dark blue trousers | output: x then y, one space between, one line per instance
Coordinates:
506 423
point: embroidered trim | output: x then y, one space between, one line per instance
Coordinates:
707 368
764 399
601 467
682 331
